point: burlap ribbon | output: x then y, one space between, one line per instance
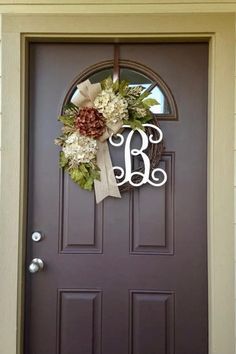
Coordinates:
84 97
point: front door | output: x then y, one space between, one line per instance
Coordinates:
129 275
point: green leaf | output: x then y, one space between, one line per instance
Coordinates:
89 184
85 174
143 95
63 161
67 120
107 83
115 86
135 124
76 175
59 141
123 88
150 102
146 119
71 107
96 174
83 169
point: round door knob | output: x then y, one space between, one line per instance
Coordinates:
36 265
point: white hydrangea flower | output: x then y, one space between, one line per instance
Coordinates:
141 112
112 106
135 91
79 148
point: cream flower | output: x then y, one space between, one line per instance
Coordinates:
80 149
142 112
113 106
135 91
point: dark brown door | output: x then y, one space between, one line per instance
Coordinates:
126 276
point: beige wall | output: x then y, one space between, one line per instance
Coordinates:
0 99
44 6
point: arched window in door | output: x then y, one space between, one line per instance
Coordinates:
137 74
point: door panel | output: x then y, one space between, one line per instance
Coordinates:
79 321
152 322
76 235
127 276
151 231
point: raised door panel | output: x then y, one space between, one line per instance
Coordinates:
152 214
151 322
81 224
79 321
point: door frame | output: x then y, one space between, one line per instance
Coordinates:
219 31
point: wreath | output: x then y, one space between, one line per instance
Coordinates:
96 113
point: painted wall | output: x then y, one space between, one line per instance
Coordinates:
106 6
0 102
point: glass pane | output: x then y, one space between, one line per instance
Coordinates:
135 78
100 75
163 106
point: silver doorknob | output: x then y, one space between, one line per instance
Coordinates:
36 265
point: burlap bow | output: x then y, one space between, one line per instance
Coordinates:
107 186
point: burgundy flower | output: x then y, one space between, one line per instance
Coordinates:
90 122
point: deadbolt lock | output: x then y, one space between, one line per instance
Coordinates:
36 236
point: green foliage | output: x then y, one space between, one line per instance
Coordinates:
143 95
135 124
63 161
115 86
59 141
107 83
148 102
68 121
77 176
139 110
84 175
70 109
124 88
146 119
121 87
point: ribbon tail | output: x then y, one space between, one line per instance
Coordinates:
107 186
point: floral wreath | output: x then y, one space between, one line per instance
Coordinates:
97 112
